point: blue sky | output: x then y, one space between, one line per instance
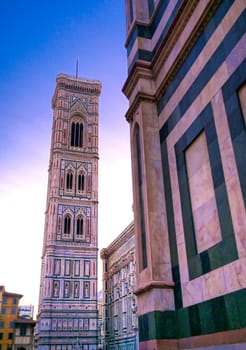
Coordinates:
38 41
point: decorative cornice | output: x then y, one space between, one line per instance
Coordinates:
9 294
167 44
75 246
27 321
161 55
78 83
81 85
74 151
118 242
122 262
153 285
140 97
141 71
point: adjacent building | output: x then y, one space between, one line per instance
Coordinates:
24 334
8 314
100 319
67 313
26 311
187 114
119 301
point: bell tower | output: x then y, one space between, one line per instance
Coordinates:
67 313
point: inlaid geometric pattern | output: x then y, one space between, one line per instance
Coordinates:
186 65
225 250
195 115
183 244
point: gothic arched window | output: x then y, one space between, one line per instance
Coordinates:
80 226
77 134
81 182
69 181
67 224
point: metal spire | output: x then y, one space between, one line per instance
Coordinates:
77 67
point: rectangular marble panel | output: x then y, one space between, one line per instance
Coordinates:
204 209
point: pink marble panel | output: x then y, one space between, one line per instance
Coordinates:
205 215
197 154
213 284
238 213
235 275
192 292
207 226
183 262
229 163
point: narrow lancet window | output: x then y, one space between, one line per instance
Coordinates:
77 134
69 181
81 182
67 224
80 226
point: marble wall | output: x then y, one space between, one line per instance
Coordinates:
186 78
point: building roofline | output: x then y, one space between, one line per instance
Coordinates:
12 294
117 242
25 320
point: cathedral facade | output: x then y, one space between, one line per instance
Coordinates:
67 313
186 87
